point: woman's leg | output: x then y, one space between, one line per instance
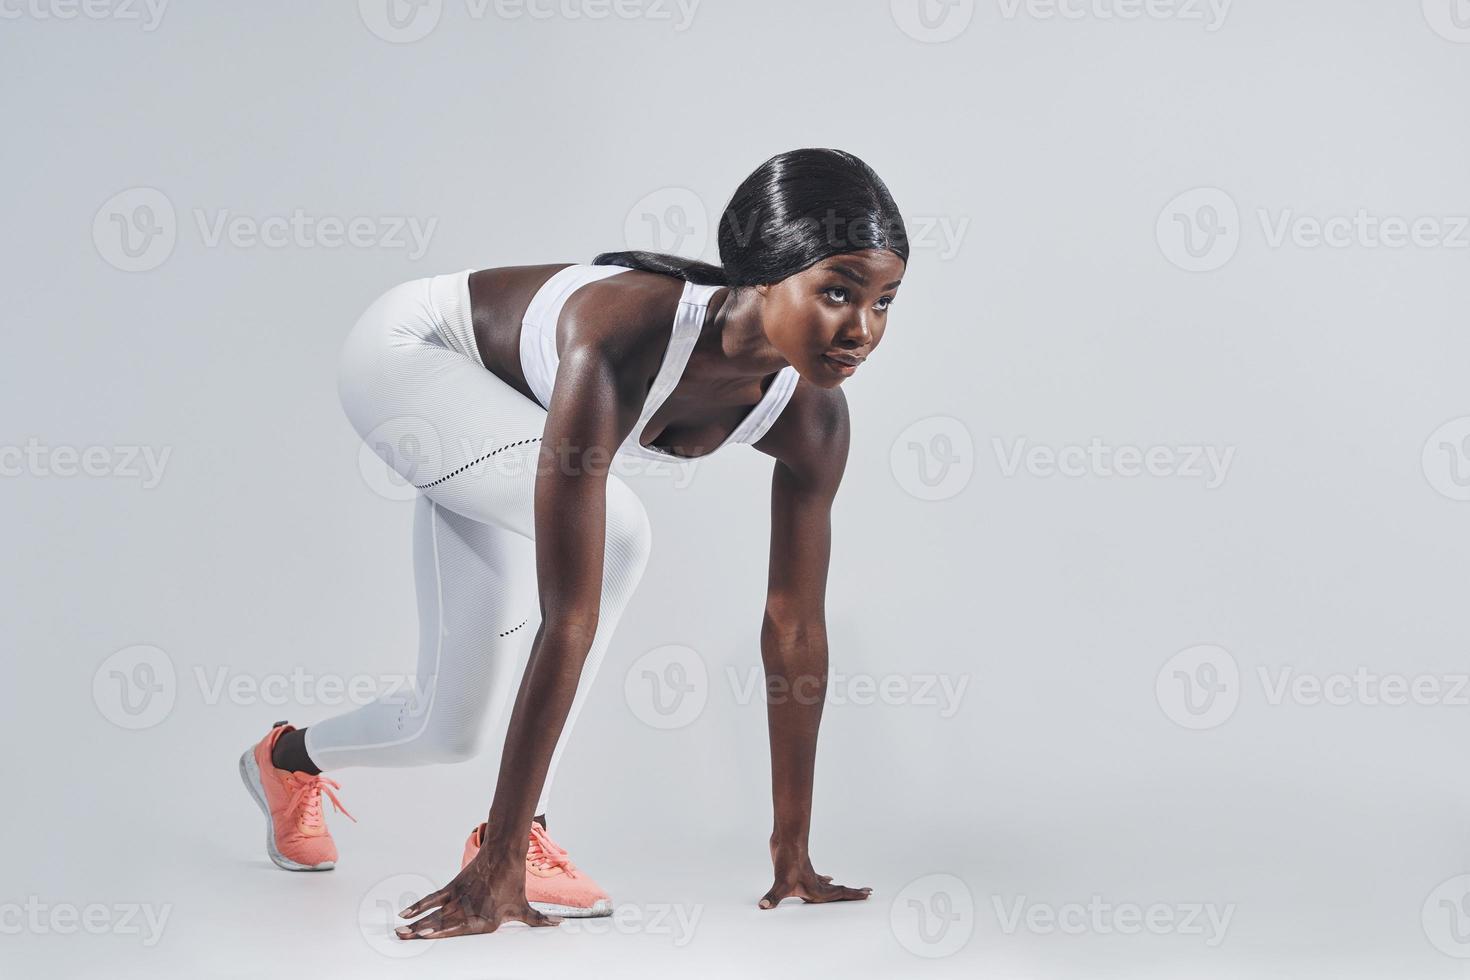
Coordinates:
476 586
414 388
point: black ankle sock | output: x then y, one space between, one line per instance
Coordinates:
290 753
541 818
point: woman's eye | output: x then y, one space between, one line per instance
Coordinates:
842 296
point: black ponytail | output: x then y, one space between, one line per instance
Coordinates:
793 211
690 270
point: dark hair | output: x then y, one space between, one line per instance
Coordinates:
793 211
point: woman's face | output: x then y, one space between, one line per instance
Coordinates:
827 319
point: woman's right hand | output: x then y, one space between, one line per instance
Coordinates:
479 899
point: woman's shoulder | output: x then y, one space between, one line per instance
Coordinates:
592 300
812 432
623 313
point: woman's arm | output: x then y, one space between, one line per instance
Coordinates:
811 453
581 435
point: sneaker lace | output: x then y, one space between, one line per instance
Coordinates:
544 853
308 796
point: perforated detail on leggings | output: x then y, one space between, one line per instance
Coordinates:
514 628
474 462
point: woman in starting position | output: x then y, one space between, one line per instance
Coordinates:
504 396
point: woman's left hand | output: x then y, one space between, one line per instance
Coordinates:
796 878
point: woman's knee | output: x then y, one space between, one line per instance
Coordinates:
445 737
460 746
450 744
629 537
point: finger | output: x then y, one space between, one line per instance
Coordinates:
431 901
826 878
840 893
474 925
536 918
425 927
773 897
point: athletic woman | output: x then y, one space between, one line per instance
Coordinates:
504 396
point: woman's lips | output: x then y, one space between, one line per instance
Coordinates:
842 366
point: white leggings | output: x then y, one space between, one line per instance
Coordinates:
413 386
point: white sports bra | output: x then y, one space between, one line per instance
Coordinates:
539 358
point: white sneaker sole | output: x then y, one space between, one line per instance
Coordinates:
250 776
599 908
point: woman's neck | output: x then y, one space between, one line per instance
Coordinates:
733 337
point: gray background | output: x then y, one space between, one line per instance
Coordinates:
1333 834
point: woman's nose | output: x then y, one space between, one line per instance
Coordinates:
858 332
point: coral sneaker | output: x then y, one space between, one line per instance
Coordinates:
553 883
296 835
